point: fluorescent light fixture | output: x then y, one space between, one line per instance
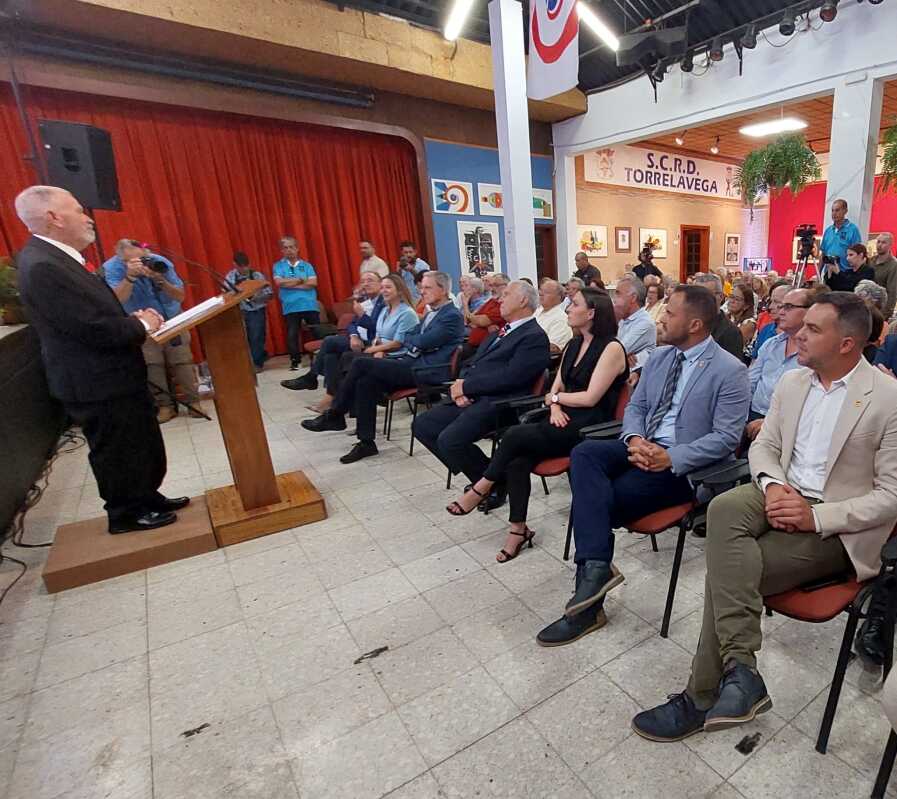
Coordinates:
598 27
458 16
772 127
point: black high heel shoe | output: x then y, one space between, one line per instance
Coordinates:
456 510
527 543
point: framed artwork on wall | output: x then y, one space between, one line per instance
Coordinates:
733 249
489 198
656 237
480 247
593 240
452 197
622 239
543 204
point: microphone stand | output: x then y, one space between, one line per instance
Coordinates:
223 282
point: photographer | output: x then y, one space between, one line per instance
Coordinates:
837 237
142 279
253 309
855 268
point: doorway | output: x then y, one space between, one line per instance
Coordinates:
546 264
694 250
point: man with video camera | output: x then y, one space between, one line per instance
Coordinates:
142 279
836 238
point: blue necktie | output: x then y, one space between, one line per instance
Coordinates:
666 397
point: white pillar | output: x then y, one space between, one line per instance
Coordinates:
565 204
856 117
512 123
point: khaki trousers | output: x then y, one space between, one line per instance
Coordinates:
747 560
176 358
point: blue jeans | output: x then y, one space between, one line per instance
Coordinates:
609 491
255 334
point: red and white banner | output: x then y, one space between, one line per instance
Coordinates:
553 48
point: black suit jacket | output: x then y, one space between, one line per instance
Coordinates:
510 368
90 346
728 336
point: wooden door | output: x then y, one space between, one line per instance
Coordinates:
546 264
694 250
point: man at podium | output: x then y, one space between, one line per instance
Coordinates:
92 357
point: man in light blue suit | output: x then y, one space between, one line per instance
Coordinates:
688 412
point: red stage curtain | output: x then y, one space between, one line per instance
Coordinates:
786 212
205 184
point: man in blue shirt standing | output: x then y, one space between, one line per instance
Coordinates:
297 283
253 309
157 286
838 236
410 266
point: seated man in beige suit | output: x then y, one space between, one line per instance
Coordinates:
823 501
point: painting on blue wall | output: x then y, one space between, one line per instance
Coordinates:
542 204
453 197
489 196
478 245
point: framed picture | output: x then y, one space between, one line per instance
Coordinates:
622 239
759 266
655 238
733 249
489 198
543 204
479 246
593 240
452 197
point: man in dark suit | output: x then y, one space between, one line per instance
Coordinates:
430 346
506 365
91 352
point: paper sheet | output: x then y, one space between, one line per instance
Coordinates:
190 314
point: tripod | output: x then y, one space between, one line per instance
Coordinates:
803 259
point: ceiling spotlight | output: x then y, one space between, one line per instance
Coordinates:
789 22
749 37
716 49
829 10
659 72
874 2
680 138
688 63
715 147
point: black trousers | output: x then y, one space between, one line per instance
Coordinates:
338 368
294 322
127 453
451 433
520 449
367 381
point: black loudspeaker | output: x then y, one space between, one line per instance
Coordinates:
80 159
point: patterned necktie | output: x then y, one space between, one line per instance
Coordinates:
666 397
501 334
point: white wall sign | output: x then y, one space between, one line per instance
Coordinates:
653 169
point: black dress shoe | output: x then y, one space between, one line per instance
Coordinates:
363 449
165 504
742 696
305 382
870 641
329 420
294 365
594 578
567 630
149 520
495 499
673 721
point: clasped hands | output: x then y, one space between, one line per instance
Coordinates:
457 394
787 510
647 456
151 317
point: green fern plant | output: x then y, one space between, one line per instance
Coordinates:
786 162
888 159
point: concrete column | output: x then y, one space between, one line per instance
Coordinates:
565 213
856 118
512 123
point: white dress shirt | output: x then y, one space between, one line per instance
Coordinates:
638 335
70 251
809 458
554 323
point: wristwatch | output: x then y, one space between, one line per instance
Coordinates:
555 399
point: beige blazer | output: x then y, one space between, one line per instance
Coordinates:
860 492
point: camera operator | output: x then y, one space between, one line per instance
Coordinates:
836 238
142 279
853 270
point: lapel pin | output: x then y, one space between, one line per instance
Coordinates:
857 403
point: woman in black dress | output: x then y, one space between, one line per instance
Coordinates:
585 392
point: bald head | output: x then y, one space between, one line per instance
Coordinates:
551 294
53 212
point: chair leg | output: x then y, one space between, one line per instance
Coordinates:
674 579
834 693
386 417
448 479
769 611
654 543
413 420
886 767
545 486
390 407
569 535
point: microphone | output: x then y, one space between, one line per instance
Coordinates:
223 282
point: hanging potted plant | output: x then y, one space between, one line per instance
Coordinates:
10 305
888 159
786 162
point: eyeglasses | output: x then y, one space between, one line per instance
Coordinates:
787 306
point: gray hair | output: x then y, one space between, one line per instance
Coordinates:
33 203
669 280
443 280
888 235
501 277
122 243
476 283
549 283
528 293
575 281
870 290
709 280
638 288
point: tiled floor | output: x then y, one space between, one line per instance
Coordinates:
255 647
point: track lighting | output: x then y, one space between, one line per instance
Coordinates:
716 49
715 147
680 138
687 64
789 22
829 10
749 37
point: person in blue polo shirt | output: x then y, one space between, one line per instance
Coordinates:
838 236
297 284
157 286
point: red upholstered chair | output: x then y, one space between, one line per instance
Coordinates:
821 604
342 324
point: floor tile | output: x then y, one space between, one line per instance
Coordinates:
466 596
791 681
282 625
170 622
718 750
358 598
497 629
269 594
440 568
650 670
395 625
269 564
422 787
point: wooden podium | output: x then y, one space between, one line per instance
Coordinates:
259 502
